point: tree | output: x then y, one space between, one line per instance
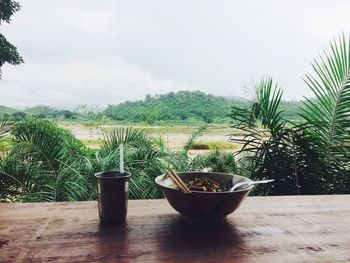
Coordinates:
5 116
40 116
67 114
8 52
307 158
18 115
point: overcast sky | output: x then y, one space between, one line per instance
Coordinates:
105 52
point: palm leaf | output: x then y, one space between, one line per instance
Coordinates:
271 149
329 113
38 161
191 140
129 136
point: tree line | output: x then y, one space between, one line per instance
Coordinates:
182 106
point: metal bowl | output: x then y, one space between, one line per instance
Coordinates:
204 207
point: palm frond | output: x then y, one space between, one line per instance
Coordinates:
191 140
37 160
329 113
129 136
272 150
215 161
266 108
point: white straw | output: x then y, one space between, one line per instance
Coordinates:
121 155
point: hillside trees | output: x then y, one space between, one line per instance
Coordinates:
180 106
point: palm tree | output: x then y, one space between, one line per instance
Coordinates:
329 115
47 163
143 158
40 164
307 158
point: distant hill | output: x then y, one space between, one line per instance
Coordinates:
179 106
291 109
182 106
186 106
31 111
6 110
40 109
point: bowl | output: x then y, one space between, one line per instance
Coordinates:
204 207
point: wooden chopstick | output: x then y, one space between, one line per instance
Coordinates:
178 181
181 182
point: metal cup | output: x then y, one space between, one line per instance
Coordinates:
112 196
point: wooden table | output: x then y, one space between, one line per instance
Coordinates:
264 229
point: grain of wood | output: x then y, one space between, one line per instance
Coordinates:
263 229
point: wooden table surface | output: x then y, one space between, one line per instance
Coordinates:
263 229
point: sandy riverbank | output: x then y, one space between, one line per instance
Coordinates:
174 137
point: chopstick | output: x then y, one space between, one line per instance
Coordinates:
182 182
178 181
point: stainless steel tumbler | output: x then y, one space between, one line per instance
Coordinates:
112 196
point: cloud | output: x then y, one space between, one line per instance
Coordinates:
85 52
96 81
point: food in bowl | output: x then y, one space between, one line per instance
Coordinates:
204 206
205 185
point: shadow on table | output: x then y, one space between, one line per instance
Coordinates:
168 238
179 236
112 244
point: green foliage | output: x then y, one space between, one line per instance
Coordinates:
40 164
4 140
200 146
308 154
180 106
311 157
329 115
191 140
168 108
8 52
66 114
5 112
212 145
183 106
47 163
216 161
40 110
290 110
43 112
18 115
142 158
7 9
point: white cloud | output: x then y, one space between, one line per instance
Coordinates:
95 81
80 52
